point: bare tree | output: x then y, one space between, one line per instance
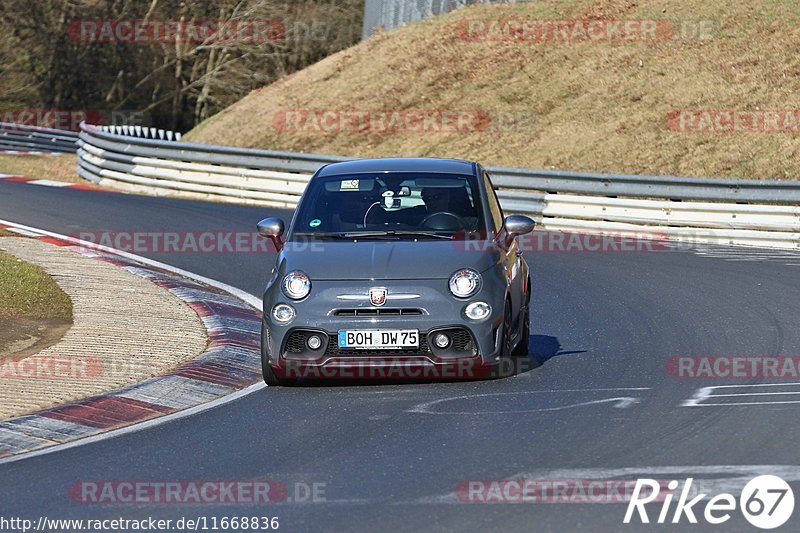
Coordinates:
179 81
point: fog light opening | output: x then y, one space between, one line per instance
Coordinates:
283 313
478 310
314 342
441 341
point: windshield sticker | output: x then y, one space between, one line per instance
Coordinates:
314 223
349 185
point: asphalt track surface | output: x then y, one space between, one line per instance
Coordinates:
391 456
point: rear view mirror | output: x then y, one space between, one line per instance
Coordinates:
272 228
518 225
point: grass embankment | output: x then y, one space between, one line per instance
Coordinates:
576 105
27 291
52 167
34 311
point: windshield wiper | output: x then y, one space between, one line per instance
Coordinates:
343 235
374 233
395 233
412 233
322 235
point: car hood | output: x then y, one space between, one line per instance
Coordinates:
387 259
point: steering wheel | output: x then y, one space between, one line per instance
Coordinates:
443 221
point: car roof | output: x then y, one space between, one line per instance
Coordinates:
399 164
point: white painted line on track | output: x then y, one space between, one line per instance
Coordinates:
247 297
619 402
754 394
737 404
50 183
23 232
707 393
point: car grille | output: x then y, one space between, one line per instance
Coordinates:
462 340
295 343
378 311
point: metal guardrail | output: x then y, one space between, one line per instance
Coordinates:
22 138
754 212
389 14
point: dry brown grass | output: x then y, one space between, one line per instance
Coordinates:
596 107
51 167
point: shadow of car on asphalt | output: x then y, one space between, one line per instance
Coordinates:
542 348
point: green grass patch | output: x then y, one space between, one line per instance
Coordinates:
27 291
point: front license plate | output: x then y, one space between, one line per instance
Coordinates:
378 338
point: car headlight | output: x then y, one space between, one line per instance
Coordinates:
478 310
465 283
296 285
283 313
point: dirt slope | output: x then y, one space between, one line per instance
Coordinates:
613 86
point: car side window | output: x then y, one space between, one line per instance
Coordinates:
494 204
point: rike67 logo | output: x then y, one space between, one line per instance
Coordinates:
766 502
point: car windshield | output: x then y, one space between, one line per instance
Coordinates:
394 205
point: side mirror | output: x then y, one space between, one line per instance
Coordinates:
272 228
518 225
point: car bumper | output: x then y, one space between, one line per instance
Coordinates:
473 350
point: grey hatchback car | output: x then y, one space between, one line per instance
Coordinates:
399 268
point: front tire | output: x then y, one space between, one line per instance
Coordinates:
505 366
525 333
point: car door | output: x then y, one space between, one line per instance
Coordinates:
512 254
